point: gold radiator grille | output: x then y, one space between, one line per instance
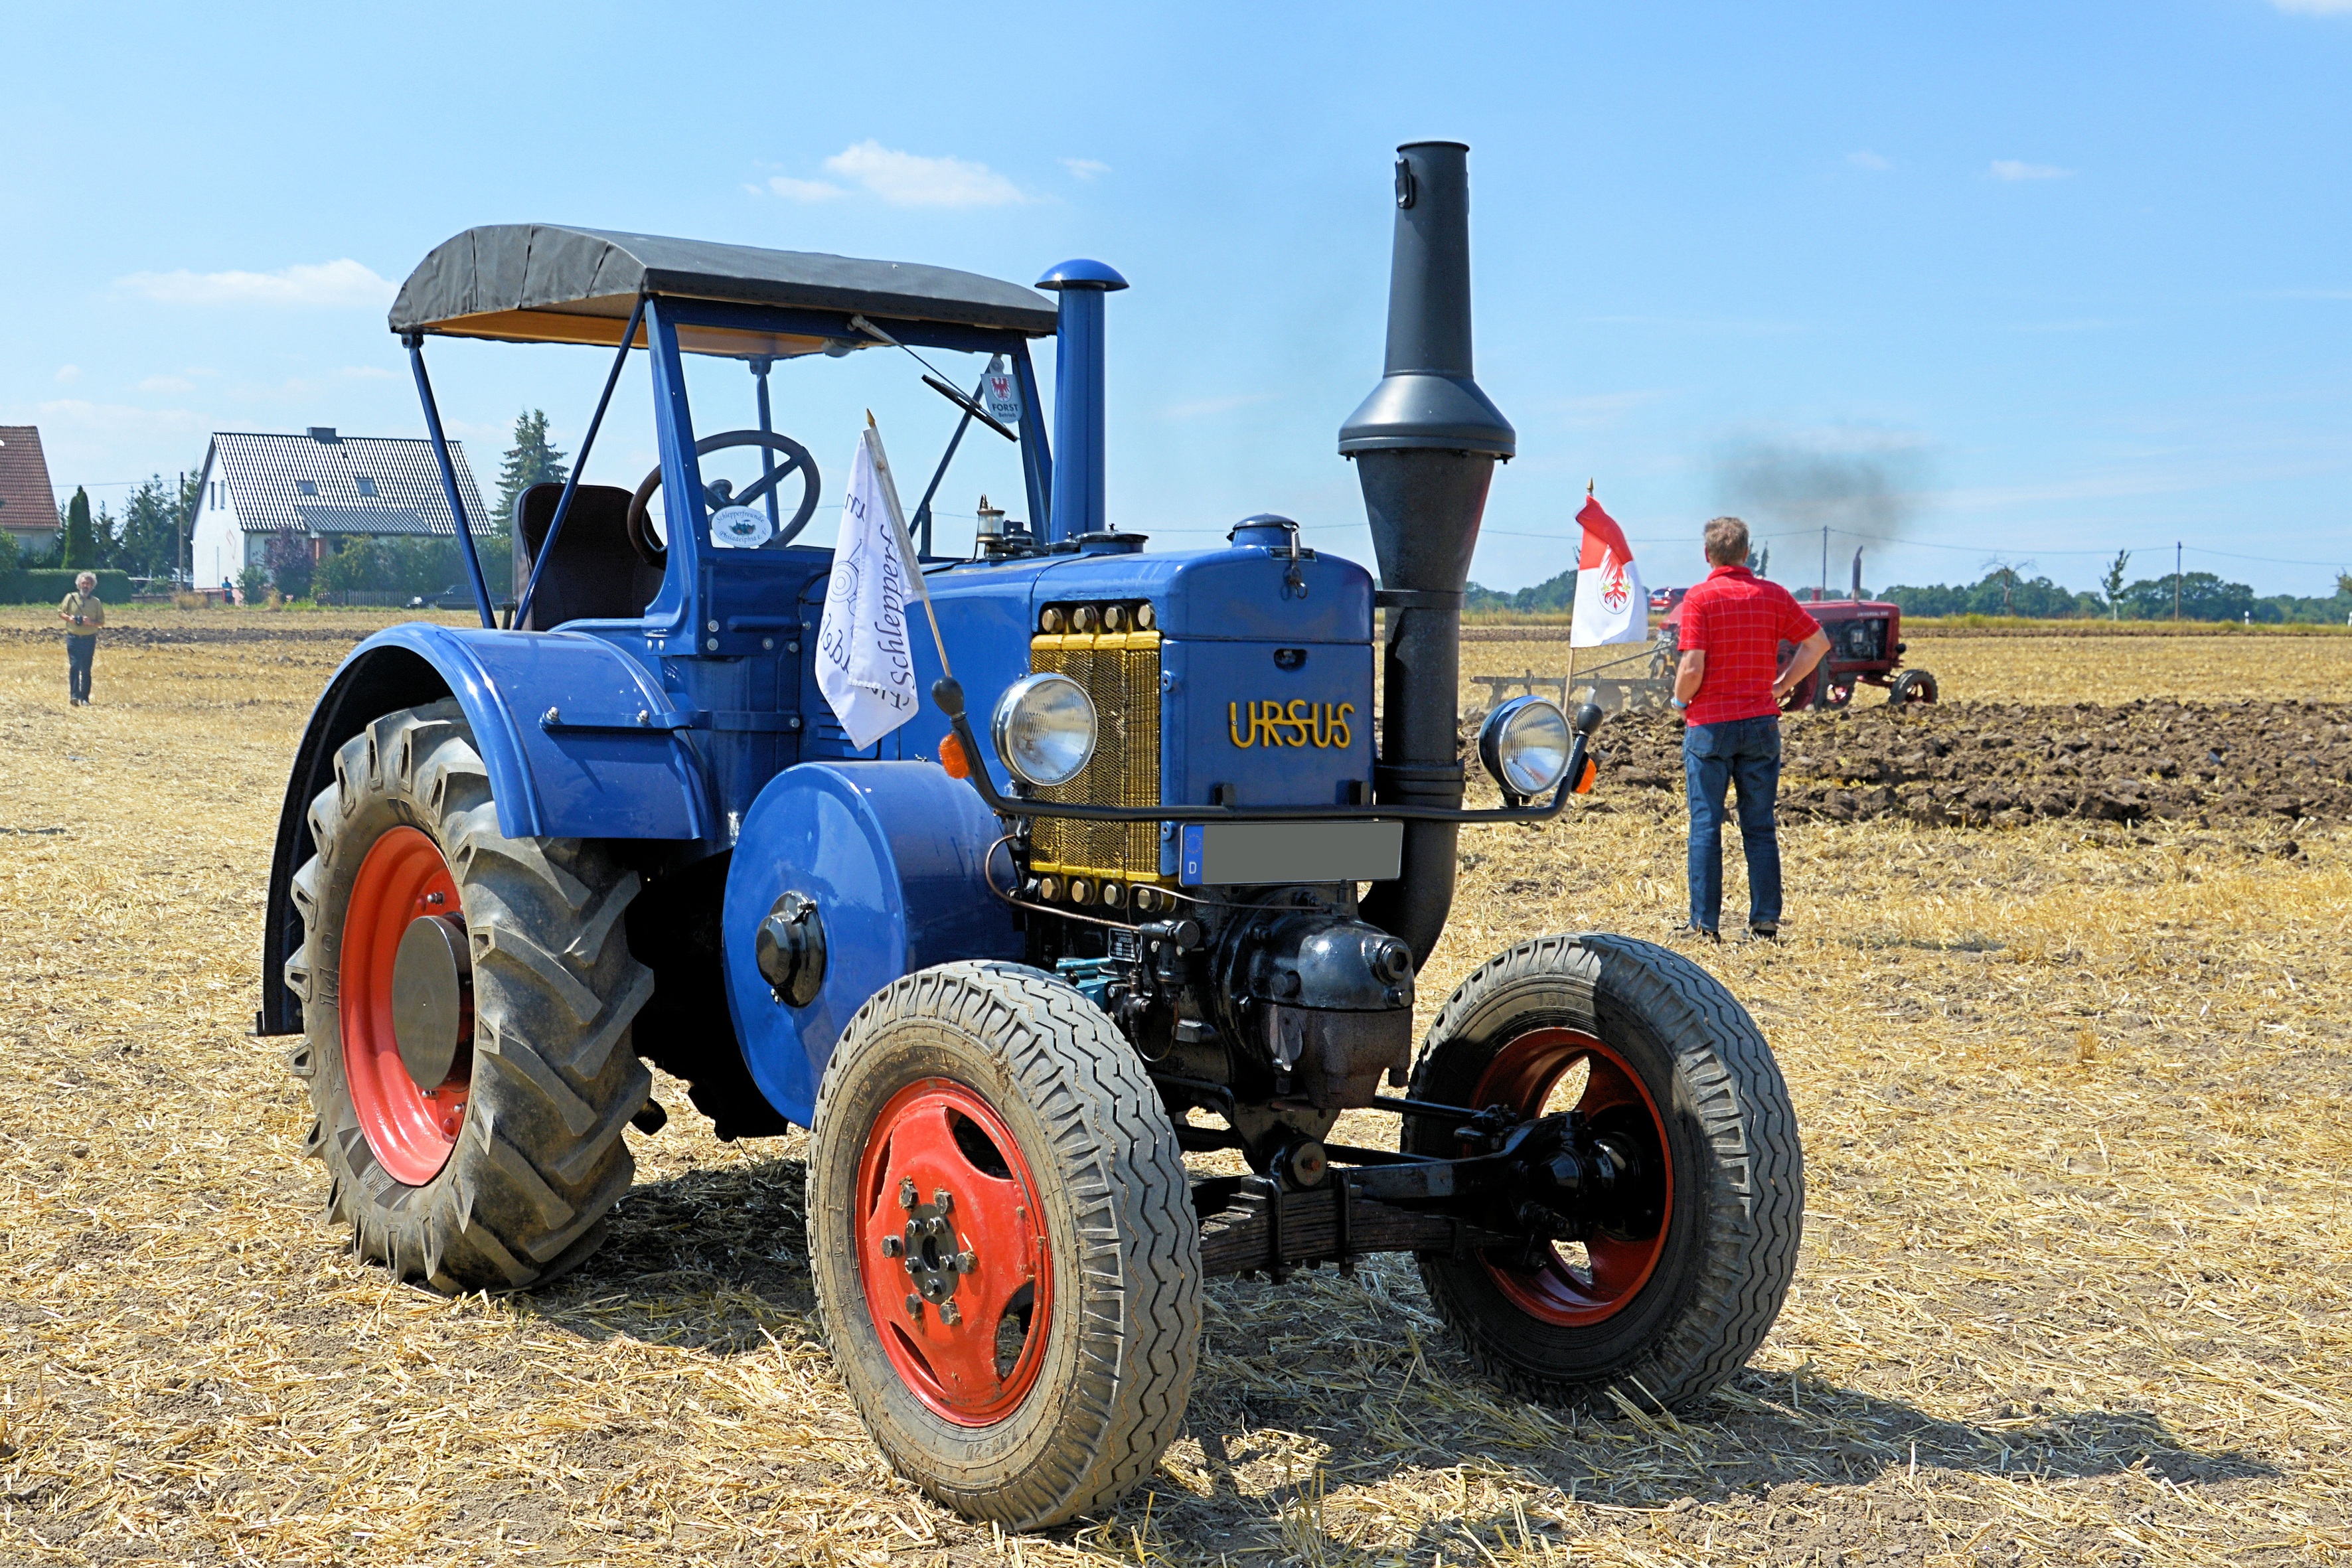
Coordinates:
1120 671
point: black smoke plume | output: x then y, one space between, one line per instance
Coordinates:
1864 494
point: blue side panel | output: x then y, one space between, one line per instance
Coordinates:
1232 714
562 783
892 855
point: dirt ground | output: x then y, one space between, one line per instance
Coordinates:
2075 1285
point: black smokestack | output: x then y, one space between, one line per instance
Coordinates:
1424 442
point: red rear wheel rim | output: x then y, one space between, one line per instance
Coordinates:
410 1127
1557 1289
970 1340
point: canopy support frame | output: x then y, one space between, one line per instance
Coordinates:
415 342
579 461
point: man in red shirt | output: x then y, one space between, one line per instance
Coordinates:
1729 686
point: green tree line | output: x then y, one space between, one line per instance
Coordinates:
144 540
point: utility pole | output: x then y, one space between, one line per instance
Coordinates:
2175 579
1825 565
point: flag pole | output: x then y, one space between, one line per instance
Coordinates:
906 545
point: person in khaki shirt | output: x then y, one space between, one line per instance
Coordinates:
84 616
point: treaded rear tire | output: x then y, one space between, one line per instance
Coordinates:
540 1159
1122 1241
1740 1191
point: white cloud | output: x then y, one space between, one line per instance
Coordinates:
2011 169
911 179
804 190
1202 408
2315 7
1868 159
1085 168
120 418
345 284
68 375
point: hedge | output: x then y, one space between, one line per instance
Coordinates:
50 585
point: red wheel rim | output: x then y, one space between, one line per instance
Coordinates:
411 1127
968 1340
1523 1076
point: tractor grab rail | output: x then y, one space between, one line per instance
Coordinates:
949 694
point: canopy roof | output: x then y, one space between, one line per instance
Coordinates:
542 283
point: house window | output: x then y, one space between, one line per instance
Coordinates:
306 486
367 486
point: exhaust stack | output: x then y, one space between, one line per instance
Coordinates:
1424 445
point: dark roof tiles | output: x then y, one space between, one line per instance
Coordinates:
264 474
28 506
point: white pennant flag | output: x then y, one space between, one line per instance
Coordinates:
866 663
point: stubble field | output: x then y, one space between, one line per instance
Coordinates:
2073 1287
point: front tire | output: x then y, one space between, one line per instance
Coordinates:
1912 687
1650 1046
498 1173
1023 1349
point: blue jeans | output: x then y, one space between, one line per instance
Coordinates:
79 651
1744 753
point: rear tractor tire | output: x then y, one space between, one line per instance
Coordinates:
1004 1243
1661 1058
465 1000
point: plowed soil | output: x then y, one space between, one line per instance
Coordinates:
2002 764
2076 1283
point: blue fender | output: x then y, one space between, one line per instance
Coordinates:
627 780
895 856
603 772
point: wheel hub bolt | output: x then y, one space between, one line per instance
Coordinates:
892 1246
950 1314
967 1262
943 1200
907 1196
915 1308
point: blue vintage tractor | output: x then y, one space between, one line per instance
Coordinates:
1173 902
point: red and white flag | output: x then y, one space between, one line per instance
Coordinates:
1610 603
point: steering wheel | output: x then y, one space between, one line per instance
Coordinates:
654 553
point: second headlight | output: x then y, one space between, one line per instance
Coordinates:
1045 729
1524 743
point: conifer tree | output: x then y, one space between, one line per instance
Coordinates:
531 460
81 543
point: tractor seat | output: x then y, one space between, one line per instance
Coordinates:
594 574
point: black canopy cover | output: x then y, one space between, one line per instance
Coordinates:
542 283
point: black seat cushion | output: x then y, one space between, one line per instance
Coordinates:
594 573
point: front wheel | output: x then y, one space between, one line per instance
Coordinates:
1004 1243
1911 688
1656 1053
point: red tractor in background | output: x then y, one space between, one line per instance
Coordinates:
1865 647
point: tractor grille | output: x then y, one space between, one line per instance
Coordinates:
1120 671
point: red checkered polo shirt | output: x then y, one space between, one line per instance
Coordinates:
1739 622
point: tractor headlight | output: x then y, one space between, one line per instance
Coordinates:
1524 743
1044 728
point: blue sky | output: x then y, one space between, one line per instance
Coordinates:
2053 280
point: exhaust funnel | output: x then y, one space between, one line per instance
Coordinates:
1424 445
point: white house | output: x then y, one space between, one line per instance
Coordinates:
321 488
